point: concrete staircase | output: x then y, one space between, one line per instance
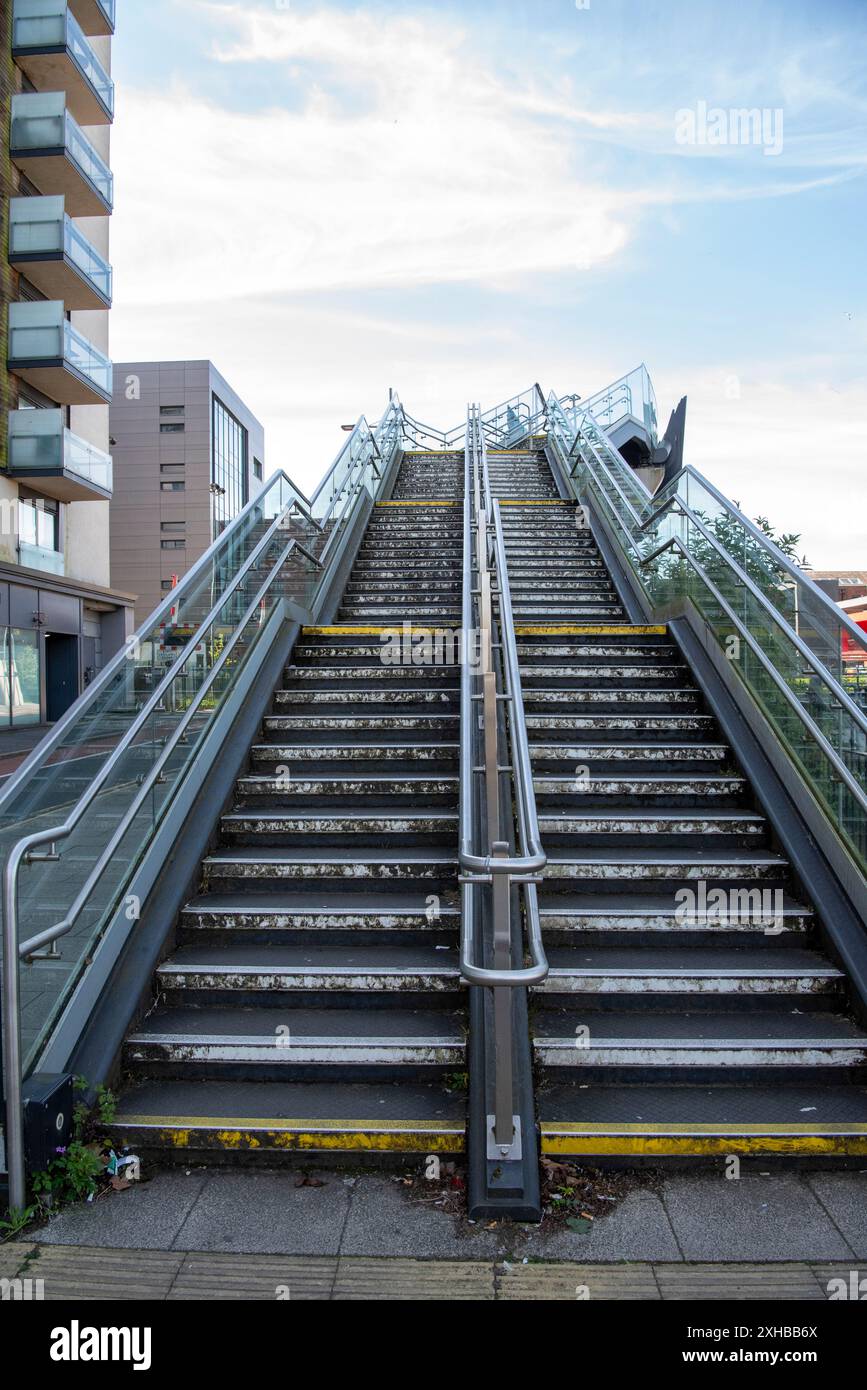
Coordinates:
312 1001
675 1019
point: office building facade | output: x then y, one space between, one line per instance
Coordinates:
188 455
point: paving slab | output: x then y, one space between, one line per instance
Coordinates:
576 1282
637 1228
206 1276
739 1282
13 1255
95 1273
266 1213
844 1197
384 1219
456 1281
752 1218
146 1216
842 1282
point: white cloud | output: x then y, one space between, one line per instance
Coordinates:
792 446
406 163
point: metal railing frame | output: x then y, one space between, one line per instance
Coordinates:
485 576
22 851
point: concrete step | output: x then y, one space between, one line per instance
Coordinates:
258 864
346 913
758 914
339 752
686 1120
701 724
591 791
352 697
580 698
270 1041
689 970
666 825
356 824
637 1042
322 1119
651 754
303 969
650 864
281 724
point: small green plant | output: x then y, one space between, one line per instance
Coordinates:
106 1105
16 1219
71 1176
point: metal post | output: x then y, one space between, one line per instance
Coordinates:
14 1129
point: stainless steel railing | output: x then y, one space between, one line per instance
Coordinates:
487 827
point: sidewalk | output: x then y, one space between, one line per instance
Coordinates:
241 1233
73 1273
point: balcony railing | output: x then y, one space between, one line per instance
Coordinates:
42 341
39 557
49 45
43 450
44 239
43 132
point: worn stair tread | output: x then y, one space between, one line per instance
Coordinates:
599 908
261 854
230 1102
653 1027
362 899
758 1105
260 1024
288 959
691 960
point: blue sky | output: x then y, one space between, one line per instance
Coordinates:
458 199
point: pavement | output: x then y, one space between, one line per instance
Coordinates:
240 1233
74 1273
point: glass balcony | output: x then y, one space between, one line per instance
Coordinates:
94 16
47 247
49 146
48 456
47 351
48 44
39 557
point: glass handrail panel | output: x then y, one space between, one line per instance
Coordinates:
40 25
47 891
670 576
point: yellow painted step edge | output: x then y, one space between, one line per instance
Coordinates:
703 1140
567 629
419 502
418 629
423 1136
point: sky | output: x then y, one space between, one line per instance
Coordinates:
459 199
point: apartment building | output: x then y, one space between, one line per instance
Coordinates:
60 618
188 455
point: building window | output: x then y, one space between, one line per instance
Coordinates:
20 677
257 470
228 466
171 410
173 545
39 522
171 468
172 487
173 525
167 584
172 429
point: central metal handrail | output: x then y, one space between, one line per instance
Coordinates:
486 825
